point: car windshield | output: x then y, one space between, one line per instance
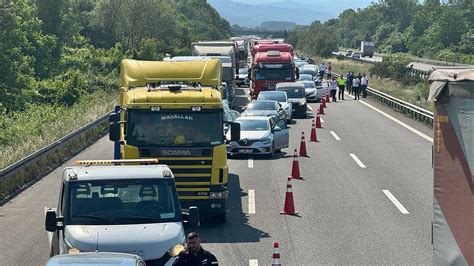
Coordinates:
274 74
308 85
293 92
308 71
174 128
130 201
305 77
254 125
279 96
261 105
243 70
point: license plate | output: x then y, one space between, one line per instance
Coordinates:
246 151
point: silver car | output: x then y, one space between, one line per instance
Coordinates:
259 135
265 108
312 94
282 98
96 258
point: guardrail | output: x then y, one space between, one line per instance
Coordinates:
409 109
29 160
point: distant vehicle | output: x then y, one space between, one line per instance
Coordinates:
310 66
259 135
265 108
96 258
367 49
310 71
296 95
243 77
349 52
311 91
355 55
306 77
113 206
229 117
282 98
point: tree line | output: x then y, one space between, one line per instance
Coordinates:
53 52
432 29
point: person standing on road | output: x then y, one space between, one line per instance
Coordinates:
355 87
364 82
350 77
329 71
194 254
322 70
342 83
333 88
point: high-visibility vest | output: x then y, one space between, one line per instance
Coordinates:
341 81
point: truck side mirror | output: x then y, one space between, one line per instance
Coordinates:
51 222
114 127
193 218
234 131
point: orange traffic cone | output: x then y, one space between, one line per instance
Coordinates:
303 152
289 207
318 121
327 98
323 102
295 169
313 137
276 255
321 109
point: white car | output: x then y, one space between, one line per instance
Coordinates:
259 135
312 93
96 258
281 98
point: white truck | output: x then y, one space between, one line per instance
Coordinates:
367 49
119 206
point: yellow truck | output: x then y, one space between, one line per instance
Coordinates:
173 111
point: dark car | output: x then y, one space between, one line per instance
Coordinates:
265 108
296 94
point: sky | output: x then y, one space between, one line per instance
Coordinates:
249 12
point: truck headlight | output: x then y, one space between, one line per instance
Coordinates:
302 102
174 251
218 195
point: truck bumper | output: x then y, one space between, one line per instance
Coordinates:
207 208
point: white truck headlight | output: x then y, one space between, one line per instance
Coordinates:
219 195
174 251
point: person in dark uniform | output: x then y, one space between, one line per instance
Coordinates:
194 254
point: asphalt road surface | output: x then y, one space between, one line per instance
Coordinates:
366 199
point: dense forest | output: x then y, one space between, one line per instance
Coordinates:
432 29
53 52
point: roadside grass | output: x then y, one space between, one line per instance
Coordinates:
414 94
25 132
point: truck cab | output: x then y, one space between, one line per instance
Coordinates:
119 206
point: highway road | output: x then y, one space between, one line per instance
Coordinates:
366 198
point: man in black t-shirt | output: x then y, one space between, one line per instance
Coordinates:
194 254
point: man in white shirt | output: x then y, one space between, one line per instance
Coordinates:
355 87
333 88
364 82
322 70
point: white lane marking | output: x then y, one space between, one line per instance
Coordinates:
396 202
309 108
335 135
428 138
253 262
251 201
359 162
322 121
250 162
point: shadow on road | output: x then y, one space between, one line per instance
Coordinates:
237 228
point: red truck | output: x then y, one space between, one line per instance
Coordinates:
271 64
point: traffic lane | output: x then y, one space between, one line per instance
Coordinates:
397 160
24 238
251 237
347 214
